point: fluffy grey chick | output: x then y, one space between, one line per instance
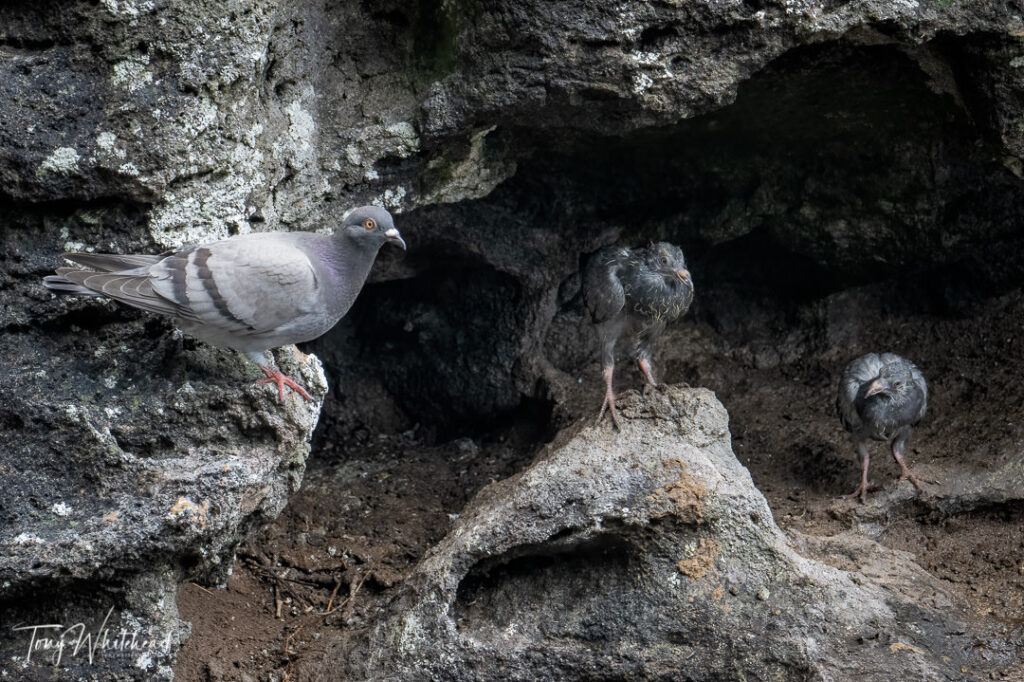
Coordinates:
634 293
250 292
882 397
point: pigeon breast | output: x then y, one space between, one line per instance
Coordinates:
880 416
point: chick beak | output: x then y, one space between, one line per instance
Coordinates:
395 238
683 275
874 388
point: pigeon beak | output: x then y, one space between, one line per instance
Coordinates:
683 275
395 238
876 387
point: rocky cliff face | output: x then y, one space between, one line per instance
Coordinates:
794 149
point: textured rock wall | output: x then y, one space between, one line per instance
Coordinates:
791 147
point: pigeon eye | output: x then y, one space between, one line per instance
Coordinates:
664 260
370 223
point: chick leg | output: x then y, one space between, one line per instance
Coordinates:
643 352
865 462
643 357
609 399
645 367
607 336
905 472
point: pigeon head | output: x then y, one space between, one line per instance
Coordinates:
371 225
894 381
667 260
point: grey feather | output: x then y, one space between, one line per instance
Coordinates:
131 289
602 289
250 292
113 262
62 285
883 416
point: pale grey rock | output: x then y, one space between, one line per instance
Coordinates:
650 553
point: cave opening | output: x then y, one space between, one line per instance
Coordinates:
839 166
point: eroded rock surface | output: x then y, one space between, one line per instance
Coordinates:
650 553
132 460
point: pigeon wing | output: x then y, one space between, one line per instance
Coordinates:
602 288
863 369
250 285
918 379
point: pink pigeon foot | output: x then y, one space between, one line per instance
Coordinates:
281 379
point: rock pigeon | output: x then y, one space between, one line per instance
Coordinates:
635 292
251 292
881 397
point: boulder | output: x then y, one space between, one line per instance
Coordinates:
649 553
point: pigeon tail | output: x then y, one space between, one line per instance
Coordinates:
61 285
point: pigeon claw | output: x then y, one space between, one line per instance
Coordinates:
281 379
860 493
908 476
650 389
905 473
609 406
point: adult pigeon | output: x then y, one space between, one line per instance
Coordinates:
882 397
634 292
251 292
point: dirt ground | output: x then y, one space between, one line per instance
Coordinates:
366 513
369 509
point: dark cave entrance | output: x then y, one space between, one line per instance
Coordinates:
840 165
